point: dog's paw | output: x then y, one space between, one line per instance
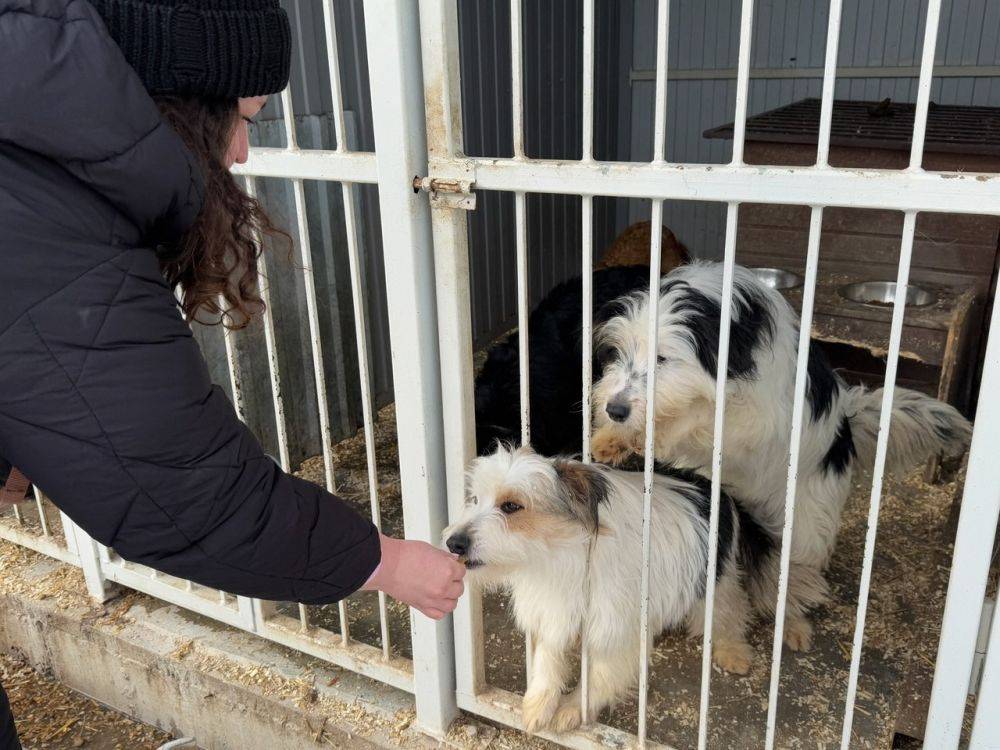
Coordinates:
569 716
537 710
798 634
608 448
733 656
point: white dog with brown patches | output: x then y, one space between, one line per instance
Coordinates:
564 538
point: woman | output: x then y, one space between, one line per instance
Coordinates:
119 120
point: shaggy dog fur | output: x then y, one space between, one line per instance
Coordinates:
564 538
840 424
554 359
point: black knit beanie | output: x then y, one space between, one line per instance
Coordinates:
225 48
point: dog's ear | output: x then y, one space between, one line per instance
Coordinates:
585 487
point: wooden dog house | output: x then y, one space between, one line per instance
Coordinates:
955 256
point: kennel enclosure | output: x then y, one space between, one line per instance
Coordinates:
416 94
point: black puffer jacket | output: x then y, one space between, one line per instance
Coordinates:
105 401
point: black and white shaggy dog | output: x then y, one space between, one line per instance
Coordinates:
564 538
840 422
554 360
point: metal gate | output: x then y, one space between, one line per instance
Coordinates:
417 110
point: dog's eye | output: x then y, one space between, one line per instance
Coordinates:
508 508
660 359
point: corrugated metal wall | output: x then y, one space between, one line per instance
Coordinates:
788 49
790 43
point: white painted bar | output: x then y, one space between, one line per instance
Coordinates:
439 38
660 111
795 444
892 359
304 619
505 708
587 347
288 115
42 520
319 372
970 563
516 77
17 515
521 233
587 313
393 35
947 192
645 637
721 376
986 724
588 79
43 545
314 164
333 61
924 83
742 82
233 366
829 81
270 344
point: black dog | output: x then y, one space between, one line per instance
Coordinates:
555 358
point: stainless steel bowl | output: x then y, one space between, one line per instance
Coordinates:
883 294
777 278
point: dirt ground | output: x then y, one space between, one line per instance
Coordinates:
901 634
50 716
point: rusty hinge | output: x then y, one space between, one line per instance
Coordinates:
447 193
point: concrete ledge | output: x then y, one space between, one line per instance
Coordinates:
193 677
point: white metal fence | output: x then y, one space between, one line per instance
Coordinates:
414 70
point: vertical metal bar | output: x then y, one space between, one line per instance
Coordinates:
517 77
233 367
393 35
721 375
319 371
742 82
303 618
92 558
829 82
42 520
645 637
442 91
660 111
336 91
17 515
364 370
523 290
587 347
270 344
69 532
288 114
895 336
970 565
801 369
588 80
924 83
986 725
798 407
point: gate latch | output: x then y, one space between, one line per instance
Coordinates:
447 193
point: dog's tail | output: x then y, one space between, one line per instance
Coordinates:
921 428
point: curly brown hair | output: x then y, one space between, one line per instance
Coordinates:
215 263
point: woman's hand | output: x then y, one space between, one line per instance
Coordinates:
420 575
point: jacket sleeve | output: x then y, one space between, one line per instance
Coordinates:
106 404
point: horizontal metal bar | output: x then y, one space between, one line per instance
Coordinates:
44 545
140 580
337 166
946 192
325 644
502 707
894 71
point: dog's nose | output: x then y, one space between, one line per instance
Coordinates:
458 543
618 410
